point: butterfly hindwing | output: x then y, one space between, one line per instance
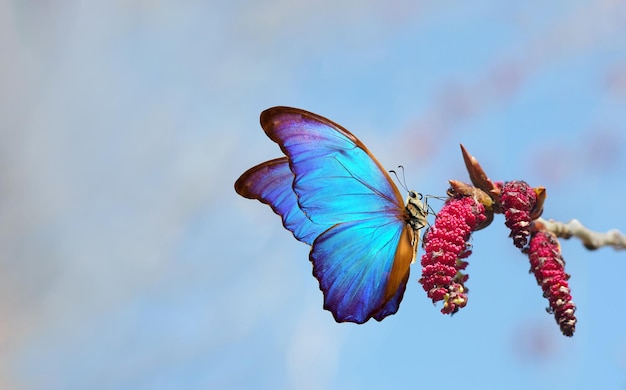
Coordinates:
270 182
353 262
391 307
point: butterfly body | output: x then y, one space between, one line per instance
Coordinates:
332 194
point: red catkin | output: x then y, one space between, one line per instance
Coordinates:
445 244
548 266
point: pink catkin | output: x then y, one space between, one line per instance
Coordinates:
548 266
445 244
518 199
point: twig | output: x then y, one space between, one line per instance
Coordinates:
590 239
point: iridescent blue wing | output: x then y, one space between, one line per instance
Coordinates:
362 267
362 262
270 182
391 307
336 178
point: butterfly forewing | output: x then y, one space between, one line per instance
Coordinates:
336 178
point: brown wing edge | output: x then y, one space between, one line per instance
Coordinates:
241 185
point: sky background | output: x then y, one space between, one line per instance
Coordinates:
127 260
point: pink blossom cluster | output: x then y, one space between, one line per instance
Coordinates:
546 263
548 266
446 245
518 200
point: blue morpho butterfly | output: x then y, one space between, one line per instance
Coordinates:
333 194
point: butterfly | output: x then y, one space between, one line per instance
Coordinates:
333 195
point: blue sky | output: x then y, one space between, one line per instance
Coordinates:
127 260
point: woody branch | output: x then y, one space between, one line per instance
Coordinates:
590 239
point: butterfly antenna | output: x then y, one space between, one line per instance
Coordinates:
401 182
403 178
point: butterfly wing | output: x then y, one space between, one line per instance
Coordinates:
354 263
362 262
270 182
336 178
391 307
